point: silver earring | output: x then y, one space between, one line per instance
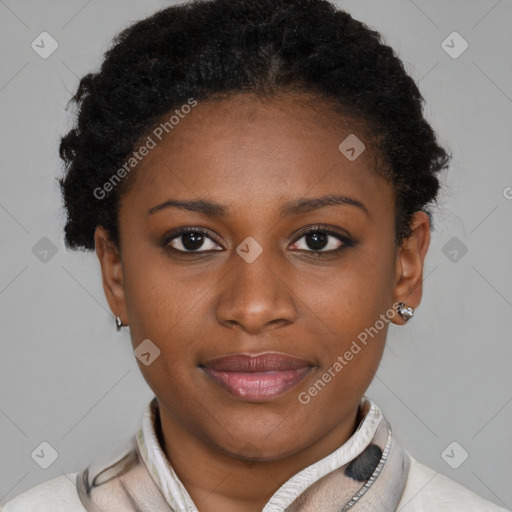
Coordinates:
405 311
119 323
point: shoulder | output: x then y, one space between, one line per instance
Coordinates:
56 495
427 490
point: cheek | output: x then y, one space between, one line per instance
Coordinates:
159 300
163 310
351 317
350 310
167 307
352 297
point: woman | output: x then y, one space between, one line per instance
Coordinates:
255 178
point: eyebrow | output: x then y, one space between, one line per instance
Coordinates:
295 207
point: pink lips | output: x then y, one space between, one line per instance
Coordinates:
257 377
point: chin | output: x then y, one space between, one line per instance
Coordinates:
259 442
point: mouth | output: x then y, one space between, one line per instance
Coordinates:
257 378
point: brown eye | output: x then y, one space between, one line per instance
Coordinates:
321 240
191 240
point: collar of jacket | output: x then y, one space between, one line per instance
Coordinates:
368 472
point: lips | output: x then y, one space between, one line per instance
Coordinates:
259 377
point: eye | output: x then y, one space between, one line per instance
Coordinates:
316 240
319 240
190 240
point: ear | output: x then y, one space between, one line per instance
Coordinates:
409 264
112 273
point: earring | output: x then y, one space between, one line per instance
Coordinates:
405 311
119 323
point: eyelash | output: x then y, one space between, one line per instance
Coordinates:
346 242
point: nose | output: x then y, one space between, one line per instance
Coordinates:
256 296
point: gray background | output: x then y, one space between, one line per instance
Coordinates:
69 379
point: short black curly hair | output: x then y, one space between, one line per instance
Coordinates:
206 48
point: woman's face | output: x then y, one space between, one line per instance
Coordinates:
251 175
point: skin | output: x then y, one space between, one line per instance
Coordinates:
252 156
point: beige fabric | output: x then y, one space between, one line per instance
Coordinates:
429 491
368 471
316 488
426 491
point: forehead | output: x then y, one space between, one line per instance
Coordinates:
248 149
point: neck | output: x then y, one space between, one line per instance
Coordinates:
216 480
